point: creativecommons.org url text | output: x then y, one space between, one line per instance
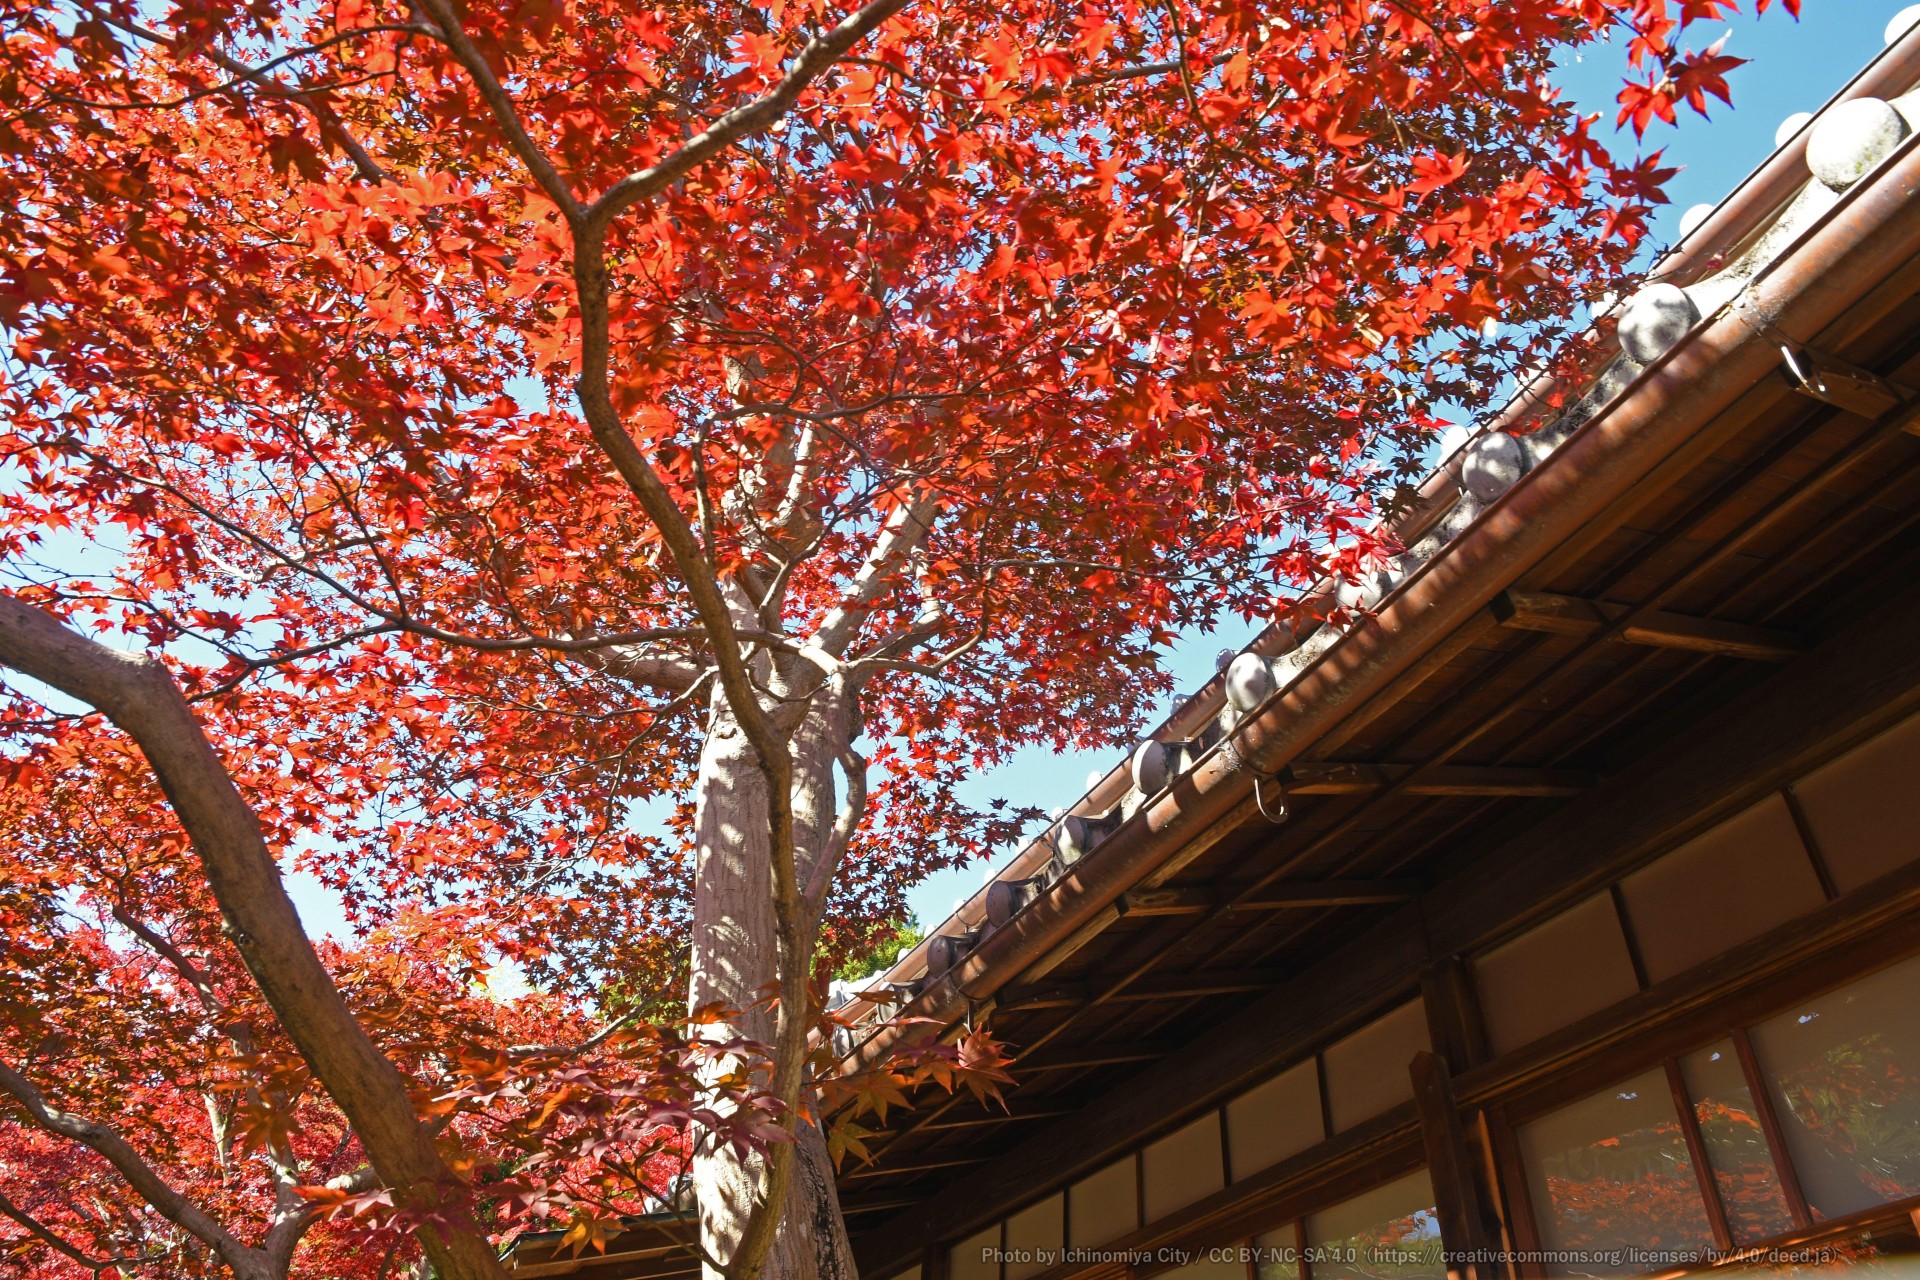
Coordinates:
1624 1258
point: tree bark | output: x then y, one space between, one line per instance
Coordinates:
735 964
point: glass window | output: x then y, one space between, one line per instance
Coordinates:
1390 1233
1845 1074
1736 1145
1104 1206
1609 1176
1183 1167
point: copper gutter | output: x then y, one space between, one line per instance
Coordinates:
1872 232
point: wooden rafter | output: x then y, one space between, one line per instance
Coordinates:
989 1120
1093 1055
1285 896
1341 779
1572 616
1021 997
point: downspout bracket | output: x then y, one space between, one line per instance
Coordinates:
1844 386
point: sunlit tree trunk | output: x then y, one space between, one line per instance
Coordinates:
734 963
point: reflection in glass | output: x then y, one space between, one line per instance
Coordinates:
1736 1144
1612 1182
1390 1233
1845 1074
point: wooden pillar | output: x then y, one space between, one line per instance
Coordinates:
933 1262
1453 1014
1456 1191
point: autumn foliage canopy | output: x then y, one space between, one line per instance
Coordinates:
471 407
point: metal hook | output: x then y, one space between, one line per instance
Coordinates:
1260 803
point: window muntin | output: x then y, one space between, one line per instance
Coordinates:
1367 1072
1275 1120
1735 1137
977 1257
1575 964
1862 807
1034 1237
1277 1254
1753 869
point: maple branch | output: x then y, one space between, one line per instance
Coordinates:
588 1045
592 287
46 1236
364 164
106 1142
878 661
140 697
330 123
904 530
500 103
821 52
657 671
195 976
280 1157
846 824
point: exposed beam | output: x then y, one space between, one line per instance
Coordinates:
1572 616
1285 896
1006 1117
877 1204
1093 1055
1341 779
924 1166
978 1121
1021 997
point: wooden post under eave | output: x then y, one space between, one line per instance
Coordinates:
1456 1193
933 1262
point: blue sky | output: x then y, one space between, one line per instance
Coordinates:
1793 66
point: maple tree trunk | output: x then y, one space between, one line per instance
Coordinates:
734 962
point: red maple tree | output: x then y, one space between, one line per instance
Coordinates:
434 430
